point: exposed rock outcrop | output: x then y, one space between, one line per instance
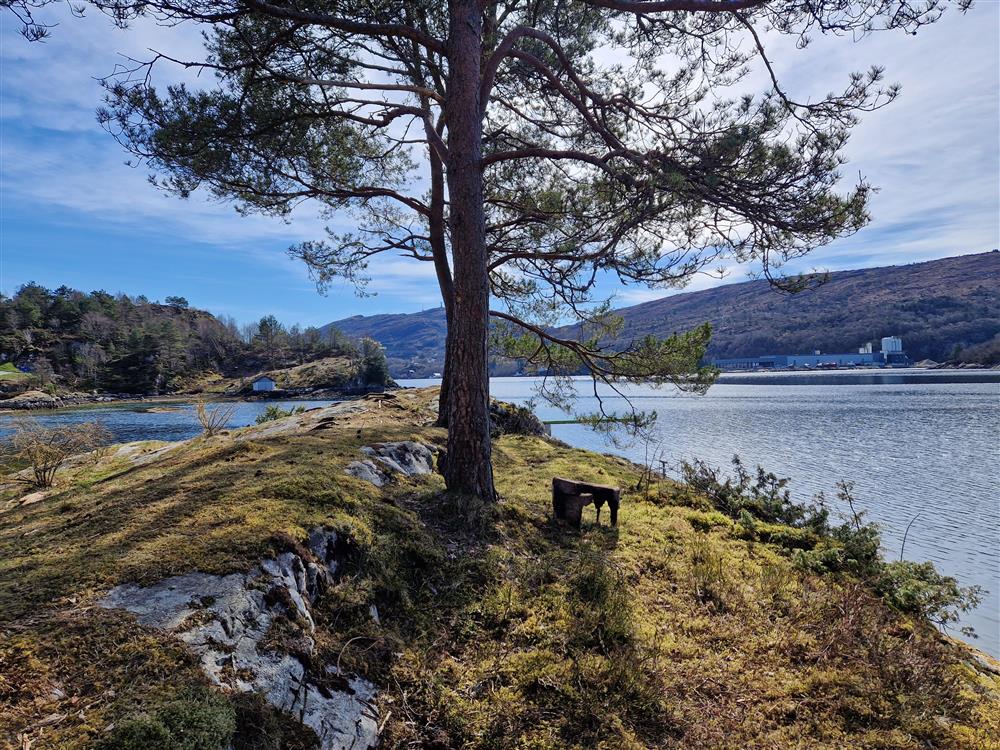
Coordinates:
225 619
406 457
368 471
29 400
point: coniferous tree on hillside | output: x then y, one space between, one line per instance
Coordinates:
374 369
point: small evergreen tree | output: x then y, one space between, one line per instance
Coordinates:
374 369
269 334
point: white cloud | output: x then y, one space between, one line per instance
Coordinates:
933 153
55 156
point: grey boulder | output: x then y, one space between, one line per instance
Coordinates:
367 471
406 457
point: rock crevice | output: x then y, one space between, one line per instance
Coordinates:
225 619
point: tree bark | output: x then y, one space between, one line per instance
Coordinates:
468 468
444 394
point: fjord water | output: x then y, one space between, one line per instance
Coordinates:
169 421
921 445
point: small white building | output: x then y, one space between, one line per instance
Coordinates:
263 383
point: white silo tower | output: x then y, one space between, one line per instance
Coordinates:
892 344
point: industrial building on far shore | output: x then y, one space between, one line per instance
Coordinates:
891 354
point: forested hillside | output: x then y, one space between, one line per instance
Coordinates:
123 344
945 310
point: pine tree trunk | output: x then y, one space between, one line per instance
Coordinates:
468 468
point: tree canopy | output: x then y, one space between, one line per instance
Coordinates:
528 149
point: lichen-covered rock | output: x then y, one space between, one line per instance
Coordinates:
319 704
325 545
406 457
367 471
224 620
167 604
288 574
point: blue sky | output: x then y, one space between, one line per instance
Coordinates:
71 211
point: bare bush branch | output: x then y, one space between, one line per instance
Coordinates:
44 450
215 419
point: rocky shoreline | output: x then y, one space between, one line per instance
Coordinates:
930 364
40 400
31 400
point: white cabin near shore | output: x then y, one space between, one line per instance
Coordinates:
263 383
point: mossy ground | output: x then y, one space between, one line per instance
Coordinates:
498 629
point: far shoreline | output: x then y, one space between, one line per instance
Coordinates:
843 376
114 400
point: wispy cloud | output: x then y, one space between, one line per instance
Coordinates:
933 154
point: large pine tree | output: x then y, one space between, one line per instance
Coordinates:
526 148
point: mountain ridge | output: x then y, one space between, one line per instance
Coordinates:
945 310
951 296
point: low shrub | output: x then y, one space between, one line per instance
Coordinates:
44 450
215 419
917 588
762 506
762 494
511 419
274 412
705 521
786 537
709 581
601 604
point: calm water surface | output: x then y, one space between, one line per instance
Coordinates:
915 444
152 421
